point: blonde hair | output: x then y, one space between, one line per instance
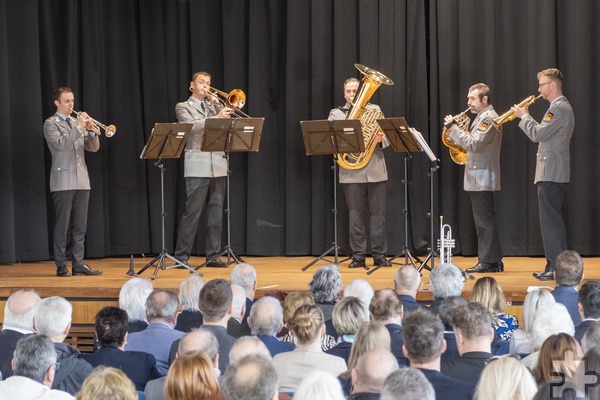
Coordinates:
493 383
371 335
307 323
488 292
293 301
107 383
192 377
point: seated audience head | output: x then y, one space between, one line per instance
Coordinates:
326 284
245 346
407 384
348 315
473 328
238 301
589 300
161 305
591 337
292 302
215 300
20 309
568 268
360 289
535 299
319 385
192 377
386 306
132 297
551 319
446 280
560 354
407 280
200 339
423 336
244 275
189 292
266 317
107 383
488 292
308 324
111 327
35 358
505 377
371 335
53 318
448 307
253 377
371 370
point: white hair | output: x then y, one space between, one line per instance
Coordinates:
132 298
551 319
266 316
407 383
319 385
20 309
446 280
407 278
52 316
238 300
244 275
360 289
535 299
189 292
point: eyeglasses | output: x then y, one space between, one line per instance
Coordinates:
55 365
544 83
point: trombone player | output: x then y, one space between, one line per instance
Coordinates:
482 174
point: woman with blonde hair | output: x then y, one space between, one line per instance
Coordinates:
559 356
505 378
488 292
521 341
192 377
107 383
307 326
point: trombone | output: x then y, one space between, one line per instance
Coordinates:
236 99
109 131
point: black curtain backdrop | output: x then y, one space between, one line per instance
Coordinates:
130 61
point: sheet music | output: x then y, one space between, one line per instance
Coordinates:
424 146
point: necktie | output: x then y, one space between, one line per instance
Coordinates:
203 106
68 122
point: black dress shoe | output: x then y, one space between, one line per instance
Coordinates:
216 263
546 276
382 262
357 263
63 272
86 270
487 267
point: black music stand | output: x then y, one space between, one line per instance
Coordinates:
332 137
230 135
167 140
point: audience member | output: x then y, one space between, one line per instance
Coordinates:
348 316
360 289
308 326
156 339
53 320
423 345
266 320
586 377
449 306
245 346
559 357
245 275
568 274
407 282
371 370
521 341
215 303
474 333
111 333
589 307
446 280
591 338
190 316
253 377
386 307
235 326
132 298
192 377
18 322
407 384
325 289
34 366
488 292
319 385
107 383
505 378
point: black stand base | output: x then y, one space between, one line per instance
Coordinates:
231 258
159 262
335 261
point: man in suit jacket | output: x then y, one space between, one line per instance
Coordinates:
589 308
568 274
245 275
156 339
235 326
407 282
365 190
205 174
386 307
69 181
482 174
266 320
552 168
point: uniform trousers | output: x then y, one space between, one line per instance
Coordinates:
484 215
552 224
71 211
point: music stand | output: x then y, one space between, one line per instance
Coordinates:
230 135
332 137
167 140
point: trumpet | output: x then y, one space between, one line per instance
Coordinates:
510 114
109 131
445 242
235 99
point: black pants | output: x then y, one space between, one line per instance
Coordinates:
552 224
484 215
70 225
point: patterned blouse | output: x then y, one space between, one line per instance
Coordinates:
505 325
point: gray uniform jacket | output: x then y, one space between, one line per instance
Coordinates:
67 145
553 135
482 171
375 170
199 163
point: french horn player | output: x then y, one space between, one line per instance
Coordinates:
482 141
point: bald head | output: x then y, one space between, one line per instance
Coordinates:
407 280
20 309
199 339
246 346
252 377
371 370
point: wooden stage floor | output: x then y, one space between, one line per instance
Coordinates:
89 294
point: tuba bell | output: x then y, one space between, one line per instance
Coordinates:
457 153
368 118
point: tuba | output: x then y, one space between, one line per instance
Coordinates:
510 114
368 118
457 153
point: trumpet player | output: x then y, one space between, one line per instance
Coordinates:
552 168
482 174
68 139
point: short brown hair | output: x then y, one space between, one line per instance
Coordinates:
472 320
59 91
555 76
385 304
